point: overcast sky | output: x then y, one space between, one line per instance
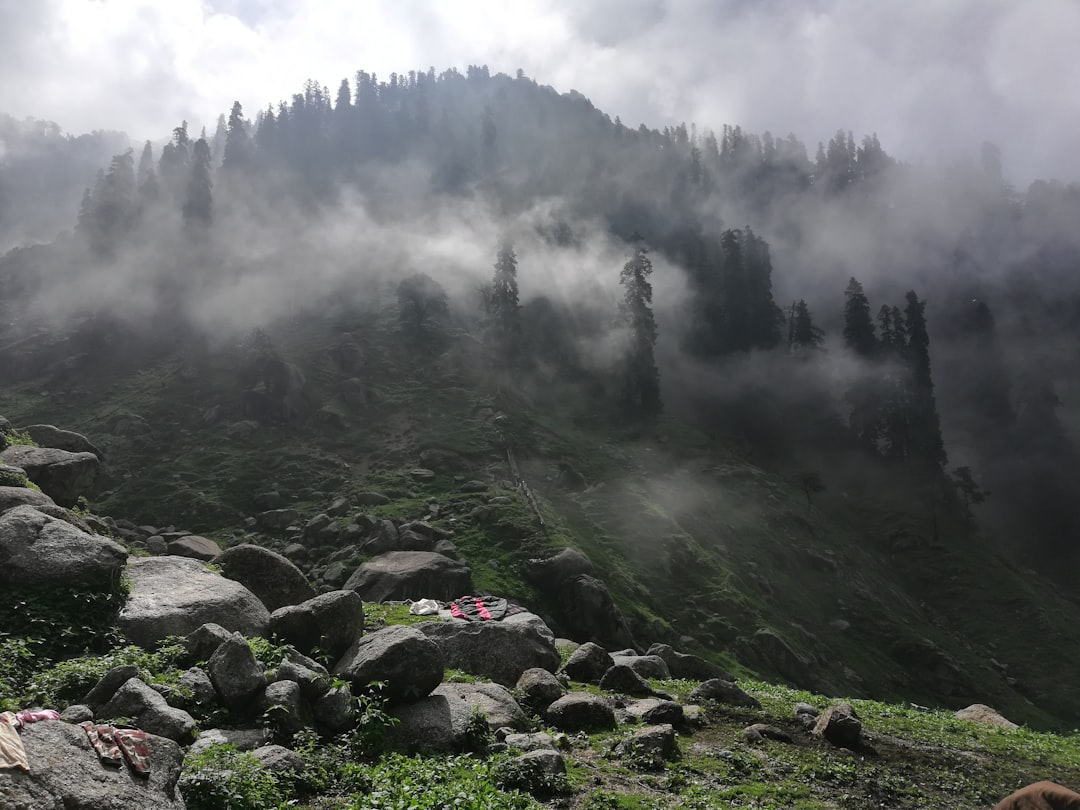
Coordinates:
934 78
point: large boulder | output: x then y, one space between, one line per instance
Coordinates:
63 476
494 702
267 574
581 711
690 667
501 651
647 666
622 679
174 596
67 775
149 711
724 692
539 689
194 546
39 549
840 725
235 672
588 663
52 436
10 497
981 713
436 724
566 564
410 575
330 622
407 661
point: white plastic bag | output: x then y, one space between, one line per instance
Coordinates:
424 607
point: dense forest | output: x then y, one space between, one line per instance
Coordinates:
831 307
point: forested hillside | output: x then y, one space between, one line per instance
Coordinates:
769 384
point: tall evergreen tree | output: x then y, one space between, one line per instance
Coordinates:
858 326
238 152
504 307
198 202
927 446
175 162
803 335
146 178
864 395
641 382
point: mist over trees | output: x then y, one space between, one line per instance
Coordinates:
934 311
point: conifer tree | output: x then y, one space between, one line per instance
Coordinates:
858 327
641 382
238 154
146 178
198 202
864 394
803 335
927 445
175 162
504 307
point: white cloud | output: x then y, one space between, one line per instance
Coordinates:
933 79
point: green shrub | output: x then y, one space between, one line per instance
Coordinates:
368 740
10 478
68 681
16 665
222 778
20 437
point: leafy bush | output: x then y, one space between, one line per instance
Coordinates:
69 680
20 437
222 778
368 739
10 478
267 653
16 662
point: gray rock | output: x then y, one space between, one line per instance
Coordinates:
542 762
11 497
290 711
313 684
295 551
759 732
566 564
338 508
623 680
840 725
588 663
276 519
334 711
196 682
267 574
268 500
435 724
407 661
652 744
724 692
399 575
491 700
590 611
981 713
447 549
539 689
235 673
46 551
501 651
245 739
67 775
647 666
372 499
105 688
657 711
421 474
149 711
202 642
279 759
52 436
316 525
77 713
581 711
173 596
195 547
411 540
330 622
530 742
63 476
157 545
690 667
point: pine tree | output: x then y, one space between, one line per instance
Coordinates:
858 327
238 153
803 335
504 307
146 178
198 202
173 168
641 383
217 144
927 446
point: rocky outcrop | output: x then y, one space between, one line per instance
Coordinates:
581 711
10 497
267 574
690 667
494 702
410 575
67 775
409 663
330 622
149 711
41 550
63 476
174 596
588 663
435 724
501 651
52 436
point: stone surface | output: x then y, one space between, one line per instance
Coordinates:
398 575
330 622
759 732
267 574
690 667
149 711
407 661
11 497
501 651
333 711
52 436
63 476
981 713
435 724
245 739
539 689
195 547
588 663
279 759
291 712
43 550
235 673
197 683
530 742
173 596
77 713
66 775
657 710
647 666
840 725
652 744
204 640
724 692
620 678
581 711
105 688
491 700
